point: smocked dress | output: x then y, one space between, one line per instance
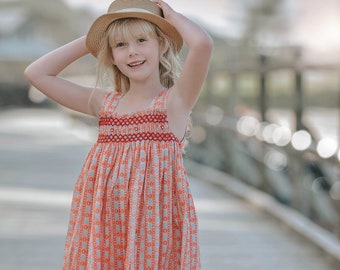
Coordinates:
132 207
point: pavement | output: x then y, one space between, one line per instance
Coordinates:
41 153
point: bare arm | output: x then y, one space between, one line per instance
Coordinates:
187 89
184 94
43 74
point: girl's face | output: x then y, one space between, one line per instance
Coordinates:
136 55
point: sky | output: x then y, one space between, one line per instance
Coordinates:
211 12
318 23
314 24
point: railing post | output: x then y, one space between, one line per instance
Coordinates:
263 89
298 91
263 102
233 102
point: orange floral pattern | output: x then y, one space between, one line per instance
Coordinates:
132 207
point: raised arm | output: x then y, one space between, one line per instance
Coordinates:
187 89
43 74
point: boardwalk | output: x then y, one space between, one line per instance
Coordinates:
40 156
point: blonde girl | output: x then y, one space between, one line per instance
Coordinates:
132 207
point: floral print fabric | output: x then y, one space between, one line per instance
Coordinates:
132 207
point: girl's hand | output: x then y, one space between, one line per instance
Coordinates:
43 74
185 92
167 10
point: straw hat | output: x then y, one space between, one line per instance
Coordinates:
142 9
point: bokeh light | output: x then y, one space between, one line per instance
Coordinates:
214 115
301 140
247 125
275 160
326 147
268 132
282 136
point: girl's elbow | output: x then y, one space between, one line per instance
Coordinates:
205 44
208 43
33 74
28 73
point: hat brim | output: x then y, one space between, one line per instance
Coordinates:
101 24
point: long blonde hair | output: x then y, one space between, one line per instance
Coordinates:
109 75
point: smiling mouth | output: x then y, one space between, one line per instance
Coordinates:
136 64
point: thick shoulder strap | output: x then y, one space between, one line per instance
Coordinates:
110 103
160 102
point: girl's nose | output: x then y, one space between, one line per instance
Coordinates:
133 49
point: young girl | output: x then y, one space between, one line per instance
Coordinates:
132 208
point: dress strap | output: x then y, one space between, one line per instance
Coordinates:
163 105
110 102
160 102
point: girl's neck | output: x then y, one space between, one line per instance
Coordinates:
138 98
145 90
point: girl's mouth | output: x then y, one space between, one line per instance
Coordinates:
136 64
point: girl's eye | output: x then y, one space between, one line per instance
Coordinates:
120 44
140 40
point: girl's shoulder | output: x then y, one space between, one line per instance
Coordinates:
99 100
109 101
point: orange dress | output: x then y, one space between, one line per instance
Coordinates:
132 208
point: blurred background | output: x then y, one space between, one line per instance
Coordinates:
269 111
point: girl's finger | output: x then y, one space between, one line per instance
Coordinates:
158 3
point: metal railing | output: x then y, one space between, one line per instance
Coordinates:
289 161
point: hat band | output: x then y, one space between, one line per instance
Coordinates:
133 10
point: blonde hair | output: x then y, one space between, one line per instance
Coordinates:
123 29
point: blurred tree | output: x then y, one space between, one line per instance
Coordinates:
39 25
28 29
267 22
54 19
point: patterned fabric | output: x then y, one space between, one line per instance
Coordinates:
132 207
